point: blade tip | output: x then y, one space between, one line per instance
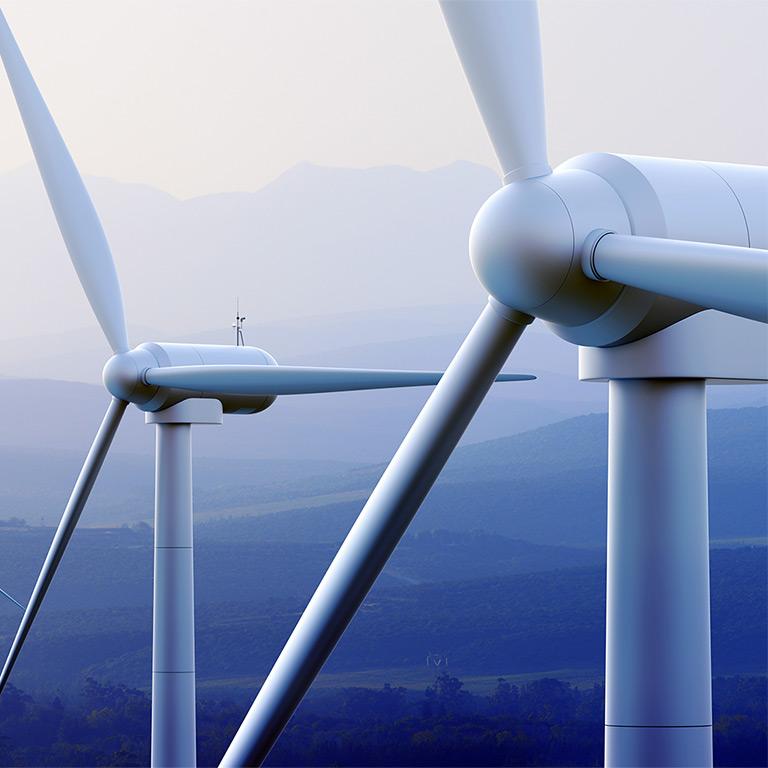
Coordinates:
516 377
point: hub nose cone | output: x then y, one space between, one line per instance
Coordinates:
122 376
521 245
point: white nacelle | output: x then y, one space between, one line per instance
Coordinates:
124 374
527 239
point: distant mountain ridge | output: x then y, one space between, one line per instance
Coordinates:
511 486
359 240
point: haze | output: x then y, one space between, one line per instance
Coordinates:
197 98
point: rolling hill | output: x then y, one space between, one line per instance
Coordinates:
546 486
503 625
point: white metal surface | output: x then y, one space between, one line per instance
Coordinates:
77 219
173 624
725 277
750 186
697 203
658 708
658 670
527 242
291 379
500 51
192 411
123 374
708 345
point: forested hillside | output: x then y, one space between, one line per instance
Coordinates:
544 722
530 623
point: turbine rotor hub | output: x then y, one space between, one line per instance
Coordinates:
123 376
521 245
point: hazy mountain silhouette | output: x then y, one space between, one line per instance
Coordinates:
546 485
315 241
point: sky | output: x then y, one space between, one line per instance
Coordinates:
197 96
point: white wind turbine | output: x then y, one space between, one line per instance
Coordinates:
620 255
177 385
623 256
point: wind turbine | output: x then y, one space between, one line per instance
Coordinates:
177 385
626 257
622 256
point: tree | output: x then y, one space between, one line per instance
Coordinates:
506 698
446 695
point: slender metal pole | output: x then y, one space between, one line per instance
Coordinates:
380 526
173 624
658 663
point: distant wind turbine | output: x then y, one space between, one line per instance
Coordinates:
177 385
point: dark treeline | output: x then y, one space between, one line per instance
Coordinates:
541 723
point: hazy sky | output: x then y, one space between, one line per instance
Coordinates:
205 96
199 96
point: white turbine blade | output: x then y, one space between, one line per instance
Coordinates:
381 524
499 47
724 277
12 599
77 219
80 493
290 380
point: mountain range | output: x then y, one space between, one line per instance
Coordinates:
314 242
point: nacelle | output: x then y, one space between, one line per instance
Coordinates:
124 374
526 242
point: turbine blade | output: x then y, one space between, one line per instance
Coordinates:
77 219
13 600
377 531
725 277
82 489
499 47
290 380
